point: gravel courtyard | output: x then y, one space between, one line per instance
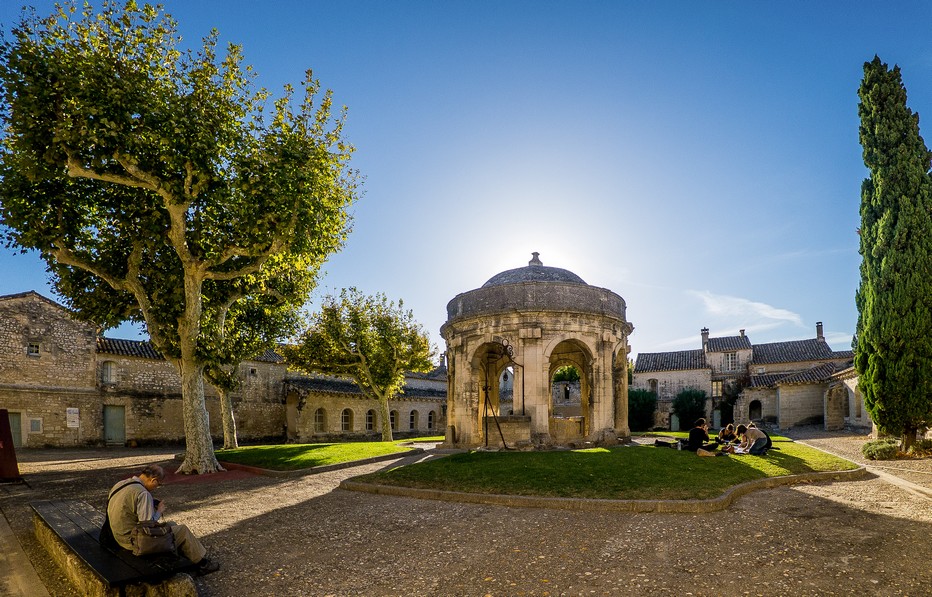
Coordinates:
303 536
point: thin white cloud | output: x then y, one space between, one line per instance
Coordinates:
737 309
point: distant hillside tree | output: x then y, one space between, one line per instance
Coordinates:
155 180
566 373
367 338
893 355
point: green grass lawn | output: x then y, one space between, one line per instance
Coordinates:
289 457
632 472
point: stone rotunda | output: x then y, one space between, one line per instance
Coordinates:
527 323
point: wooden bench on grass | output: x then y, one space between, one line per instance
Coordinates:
69 530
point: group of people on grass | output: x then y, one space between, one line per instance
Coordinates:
745 439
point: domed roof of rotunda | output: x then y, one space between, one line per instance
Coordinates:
535 271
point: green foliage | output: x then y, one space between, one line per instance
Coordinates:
367 338
566 373
881 449
893 354
689 405
642 472
159 186
642 404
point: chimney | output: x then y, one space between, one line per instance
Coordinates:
705 338
742 333
818 331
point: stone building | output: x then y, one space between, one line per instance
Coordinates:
530 321
783 384
64 385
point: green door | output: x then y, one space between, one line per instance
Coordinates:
114 425
16 426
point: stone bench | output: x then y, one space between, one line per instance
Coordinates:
69 530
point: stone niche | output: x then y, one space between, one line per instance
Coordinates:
529 322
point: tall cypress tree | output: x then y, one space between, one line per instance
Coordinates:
893 355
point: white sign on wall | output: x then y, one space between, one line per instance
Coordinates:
71 416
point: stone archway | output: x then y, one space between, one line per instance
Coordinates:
567 426
534 319
488 362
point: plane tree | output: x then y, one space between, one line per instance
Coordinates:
893 351
158 181
369 339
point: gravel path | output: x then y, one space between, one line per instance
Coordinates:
302 536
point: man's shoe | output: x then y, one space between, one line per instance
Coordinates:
206 566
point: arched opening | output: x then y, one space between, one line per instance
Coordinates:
413 420
371 420
393 420
346 420
320 420
570 388
492 361
431 420
754 410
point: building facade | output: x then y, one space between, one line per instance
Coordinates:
781 384
63 385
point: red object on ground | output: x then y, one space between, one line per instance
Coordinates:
9 469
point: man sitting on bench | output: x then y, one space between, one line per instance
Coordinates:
130 501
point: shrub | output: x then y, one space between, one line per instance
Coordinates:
881 449
641 407
689 405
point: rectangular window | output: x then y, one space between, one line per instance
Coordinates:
716 389
731 361
33 349
35 425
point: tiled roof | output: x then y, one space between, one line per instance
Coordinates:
127 348
816 374
793 351
144 350
729 343
269 356
440 373
334 385
766 381
843 354
670 361
819 373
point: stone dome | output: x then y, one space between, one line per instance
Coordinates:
535 271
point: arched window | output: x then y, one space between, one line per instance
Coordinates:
430 420
346 420
394 419
413 420
320 420
108 372
370 420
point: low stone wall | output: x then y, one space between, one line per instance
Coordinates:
86 581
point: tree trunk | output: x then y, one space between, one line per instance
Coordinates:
199 447
386 419
229 423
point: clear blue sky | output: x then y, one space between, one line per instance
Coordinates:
700 159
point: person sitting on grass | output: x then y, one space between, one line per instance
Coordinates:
727 435
753 441
699 441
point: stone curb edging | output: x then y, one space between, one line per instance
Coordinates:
318 469
605 505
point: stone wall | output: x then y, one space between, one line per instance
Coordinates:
671 383
41 344
801 404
